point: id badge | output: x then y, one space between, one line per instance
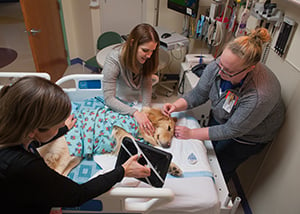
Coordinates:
230 101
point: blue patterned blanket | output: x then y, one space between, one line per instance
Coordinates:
92 133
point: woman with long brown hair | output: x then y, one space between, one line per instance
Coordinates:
33 109
128 71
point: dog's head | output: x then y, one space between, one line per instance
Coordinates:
164 127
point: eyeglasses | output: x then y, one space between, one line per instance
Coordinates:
228 74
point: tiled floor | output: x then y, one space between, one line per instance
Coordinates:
13 36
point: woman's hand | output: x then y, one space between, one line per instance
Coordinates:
182 132
70 121
133 169
145 124
178 105
168 108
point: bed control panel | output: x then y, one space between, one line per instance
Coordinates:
89 84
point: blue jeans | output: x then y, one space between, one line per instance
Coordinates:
231 153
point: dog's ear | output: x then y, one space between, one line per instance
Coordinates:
175 119
151 116
152 113
146 110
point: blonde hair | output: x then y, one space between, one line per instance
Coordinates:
139 35
30 103
249 48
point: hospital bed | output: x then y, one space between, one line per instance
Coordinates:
201 190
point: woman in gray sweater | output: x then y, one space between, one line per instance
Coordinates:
128 71
246 105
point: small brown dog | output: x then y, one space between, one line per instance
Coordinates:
56 154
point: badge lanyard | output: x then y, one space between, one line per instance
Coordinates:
230 100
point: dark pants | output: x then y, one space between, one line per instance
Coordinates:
231 153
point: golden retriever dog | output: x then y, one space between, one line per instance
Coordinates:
56 154
164 129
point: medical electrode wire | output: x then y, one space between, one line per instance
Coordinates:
140 152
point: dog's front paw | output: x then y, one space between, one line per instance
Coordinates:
174 170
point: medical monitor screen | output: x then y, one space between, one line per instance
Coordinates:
187 7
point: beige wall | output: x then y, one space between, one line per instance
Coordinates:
170 19
78 24
270 179
276 187
83 25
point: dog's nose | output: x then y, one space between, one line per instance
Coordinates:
166 145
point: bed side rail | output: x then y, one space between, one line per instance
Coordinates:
82 86
228 205
11 77
21 74
153 197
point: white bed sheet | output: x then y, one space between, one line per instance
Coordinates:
195 192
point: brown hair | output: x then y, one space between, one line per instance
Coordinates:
249 48
140 34
30 103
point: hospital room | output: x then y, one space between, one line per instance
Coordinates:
193 44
